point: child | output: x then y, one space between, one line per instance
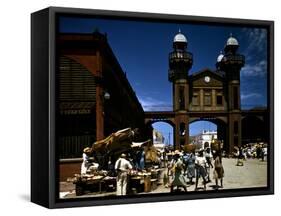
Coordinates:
218 171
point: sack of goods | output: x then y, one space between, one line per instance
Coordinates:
216 145
189 148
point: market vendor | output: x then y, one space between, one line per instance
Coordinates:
122 166
140 159
86 160
88 164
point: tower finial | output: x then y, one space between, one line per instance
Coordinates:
230 34
179 30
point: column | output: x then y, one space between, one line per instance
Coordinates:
99 101
214 99
201 97
234 131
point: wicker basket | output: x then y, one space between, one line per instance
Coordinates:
216 145
189 148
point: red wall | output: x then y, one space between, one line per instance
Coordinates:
68 169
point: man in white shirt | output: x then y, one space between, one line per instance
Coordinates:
122 166
200 164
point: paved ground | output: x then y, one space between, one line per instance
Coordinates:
252 174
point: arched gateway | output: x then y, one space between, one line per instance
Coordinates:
206 95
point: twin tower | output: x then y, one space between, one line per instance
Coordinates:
191 101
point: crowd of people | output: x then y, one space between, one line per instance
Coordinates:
183 167
257 150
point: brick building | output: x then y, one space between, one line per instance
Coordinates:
94 96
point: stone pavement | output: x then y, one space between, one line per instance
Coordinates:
252 174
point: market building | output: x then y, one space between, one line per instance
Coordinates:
94 96
210 95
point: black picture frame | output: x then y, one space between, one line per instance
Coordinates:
44 187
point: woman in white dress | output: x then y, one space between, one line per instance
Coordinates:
179 180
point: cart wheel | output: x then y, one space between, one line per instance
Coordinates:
79 190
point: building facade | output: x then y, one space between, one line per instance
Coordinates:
94 96
158 137
204 139
209 95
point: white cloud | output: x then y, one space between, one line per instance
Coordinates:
251 95
257 41
152 104
259 69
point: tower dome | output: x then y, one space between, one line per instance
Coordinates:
231 45
180 37
231 41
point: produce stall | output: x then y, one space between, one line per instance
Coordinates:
142 178
144 181
93 183
138 182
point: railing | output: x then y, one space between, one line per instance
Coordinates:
236 58
172 74
180 55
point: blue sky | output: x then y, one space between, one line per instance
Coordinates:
142 50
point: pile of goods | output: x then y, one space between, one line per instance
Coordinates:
108 150
189 148
115 143
136 173
216 145
95 175
97 181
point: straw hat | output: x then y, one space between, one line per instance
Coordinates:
123 155
87 150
